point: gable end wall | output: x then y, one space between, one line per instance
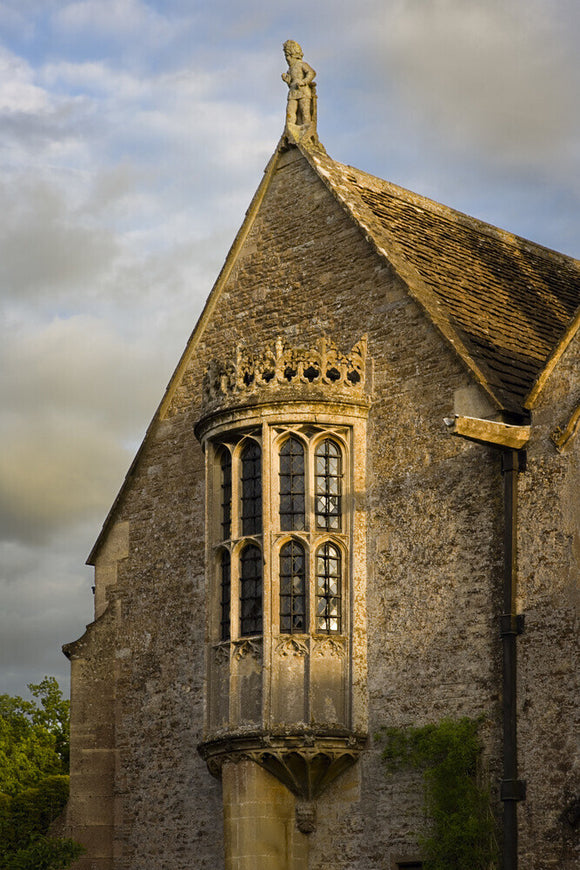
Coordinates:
433 507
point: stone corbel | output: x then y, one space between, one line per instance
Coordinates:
305 763
292 646
247 647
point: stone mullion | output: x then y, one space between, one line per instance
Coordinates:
357 628
269 468
310 606
211 474
235 532
309 485
349 489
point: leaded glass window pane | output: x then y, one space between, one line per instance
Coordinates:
292 485
328 474
226 486
251 489
328 589
226 585
292 588
251 591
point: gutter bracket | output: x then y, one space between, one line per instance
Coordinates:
513 790
512 624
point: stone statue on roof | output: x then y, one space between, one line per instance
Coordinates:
301 109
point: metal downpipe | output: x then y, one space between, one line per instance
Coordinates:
512 788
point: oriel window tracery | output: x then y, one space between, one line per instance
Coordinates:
328 588
328 475
307 571
293 588
250 591
292 495
251 489
226 490
226 585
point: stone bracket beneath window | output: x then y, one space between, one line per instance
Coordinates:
306 762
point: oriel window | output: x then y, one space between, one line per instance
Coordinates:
226 585
251 489
328 588
292 505
328 476
226 490
292 588
251 591
308 567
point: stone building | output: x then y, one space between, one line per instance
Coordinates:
375 413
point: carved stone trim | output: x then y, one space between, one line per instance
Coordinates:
282 366
292 646
247 647
305 816
334 647
305 762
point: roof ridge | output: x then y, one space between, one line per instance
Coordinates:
539 291
447 211
419 291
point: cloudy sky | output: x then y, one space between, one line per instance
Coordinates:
133 134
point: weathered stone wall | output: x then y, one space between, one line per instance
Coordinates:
434 568
549 571
90 814
168 807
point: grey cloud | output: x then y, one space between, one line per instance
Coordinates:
80 367
45 244
54 473
114 188
34 129
495 75
46 601
74 392
113 20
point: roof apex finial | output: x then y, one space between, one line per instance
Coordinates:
301 107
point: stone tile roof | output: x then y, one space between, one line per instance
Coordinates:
504 303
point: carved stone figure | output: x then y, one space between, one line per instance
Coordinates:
301 91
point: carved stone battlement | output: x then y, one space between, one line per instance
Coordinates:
252 374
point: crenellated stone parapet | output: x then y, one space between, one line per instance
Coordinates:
262 374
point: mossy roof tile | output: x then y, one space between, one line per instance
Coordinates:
505 303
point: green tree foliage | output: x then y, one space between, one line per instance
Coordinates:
34 752
34 736
32 811
53 714
44 854
461 830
